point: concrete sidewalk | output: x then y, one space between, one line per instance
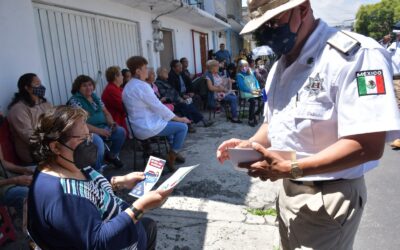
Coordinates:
208 210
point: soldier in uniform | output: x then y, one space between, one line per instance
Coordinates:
331 100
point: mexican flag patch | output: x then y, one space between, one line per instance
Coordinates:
370 82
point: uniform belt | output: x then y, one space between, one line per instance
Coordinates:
315 183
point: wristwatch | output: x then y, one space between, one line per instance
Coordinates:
137 213
295 171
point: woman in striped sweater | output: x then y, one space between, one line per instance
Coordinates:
72 206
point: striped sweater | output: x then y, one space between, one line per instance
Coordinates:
80 214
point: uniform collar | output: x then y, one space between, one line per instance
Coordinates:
314 45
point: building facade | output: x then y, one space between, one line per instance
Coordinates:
61 39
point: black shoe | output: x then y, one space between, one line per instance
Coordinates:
252 123
207 123
235 121
191 129
114 160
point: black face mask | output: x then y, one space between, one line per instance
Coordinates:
85 154
1 120
39 91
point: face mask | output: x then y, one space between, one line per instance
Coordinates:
280 39
261 66
85 154
1 120
39 91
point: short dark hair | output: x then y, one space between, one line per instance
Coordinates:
124 71
174 63
183 59
136 62
112 73
79 81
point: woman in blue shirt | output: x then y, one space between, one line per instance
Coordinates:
72 206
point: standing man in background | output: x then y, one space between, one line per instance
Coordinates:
223 54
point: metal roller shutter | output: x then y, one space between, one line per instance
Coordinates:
74 43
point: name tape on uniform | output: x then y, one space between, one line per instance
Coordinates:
370 82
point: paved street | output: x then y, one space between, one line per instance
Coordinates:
380 225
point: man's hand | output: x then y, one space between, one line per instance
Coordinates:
272 167
222 151
130 180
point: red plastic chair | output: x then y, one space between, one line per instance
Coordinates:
7 231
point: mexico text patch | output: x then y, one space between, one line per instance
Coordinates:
370 82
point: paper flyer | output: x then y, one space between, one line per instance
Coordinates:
152 174
176 178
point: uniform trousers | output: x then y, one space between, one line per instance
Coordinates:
325 215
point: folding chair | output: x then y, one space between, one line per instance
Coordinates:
155 139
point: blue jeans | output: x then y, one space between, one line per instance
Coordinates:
100 151
178 131
232 100
14 197
117 139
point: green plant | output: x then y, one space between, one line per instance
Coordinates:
262 212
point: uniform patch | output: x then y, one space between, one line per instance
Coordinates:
315 85
370 82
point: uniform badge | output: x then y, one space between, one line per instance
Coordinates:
315 85
370 82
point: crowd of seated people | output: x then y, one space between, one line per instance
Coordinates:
161 103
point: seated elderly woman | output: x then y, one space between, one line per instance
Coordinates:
182 106
72 206
24 111
249 89
151 78
221 89
112 96
100 121
148 116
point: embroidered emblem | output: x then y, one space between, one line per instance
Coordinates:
315 85
370 82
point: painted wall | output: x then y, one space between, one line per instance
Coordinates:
19 48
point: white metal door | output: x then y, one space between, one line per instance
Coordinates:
75 43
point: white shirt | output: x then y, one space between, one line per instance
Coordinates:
308 118
148 116
394 50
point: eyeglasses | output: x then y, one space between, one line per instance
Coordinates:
88 138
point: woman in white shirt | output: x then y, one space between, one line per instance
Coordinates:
148 116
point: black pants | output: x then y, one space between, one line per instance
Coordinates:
252 108
150 226
189 111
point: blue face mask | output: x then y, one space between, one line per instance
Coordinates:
280 39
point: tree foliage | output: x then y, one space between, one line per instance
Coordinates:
376 20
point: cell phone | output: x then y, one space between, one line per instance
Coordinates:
242 155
